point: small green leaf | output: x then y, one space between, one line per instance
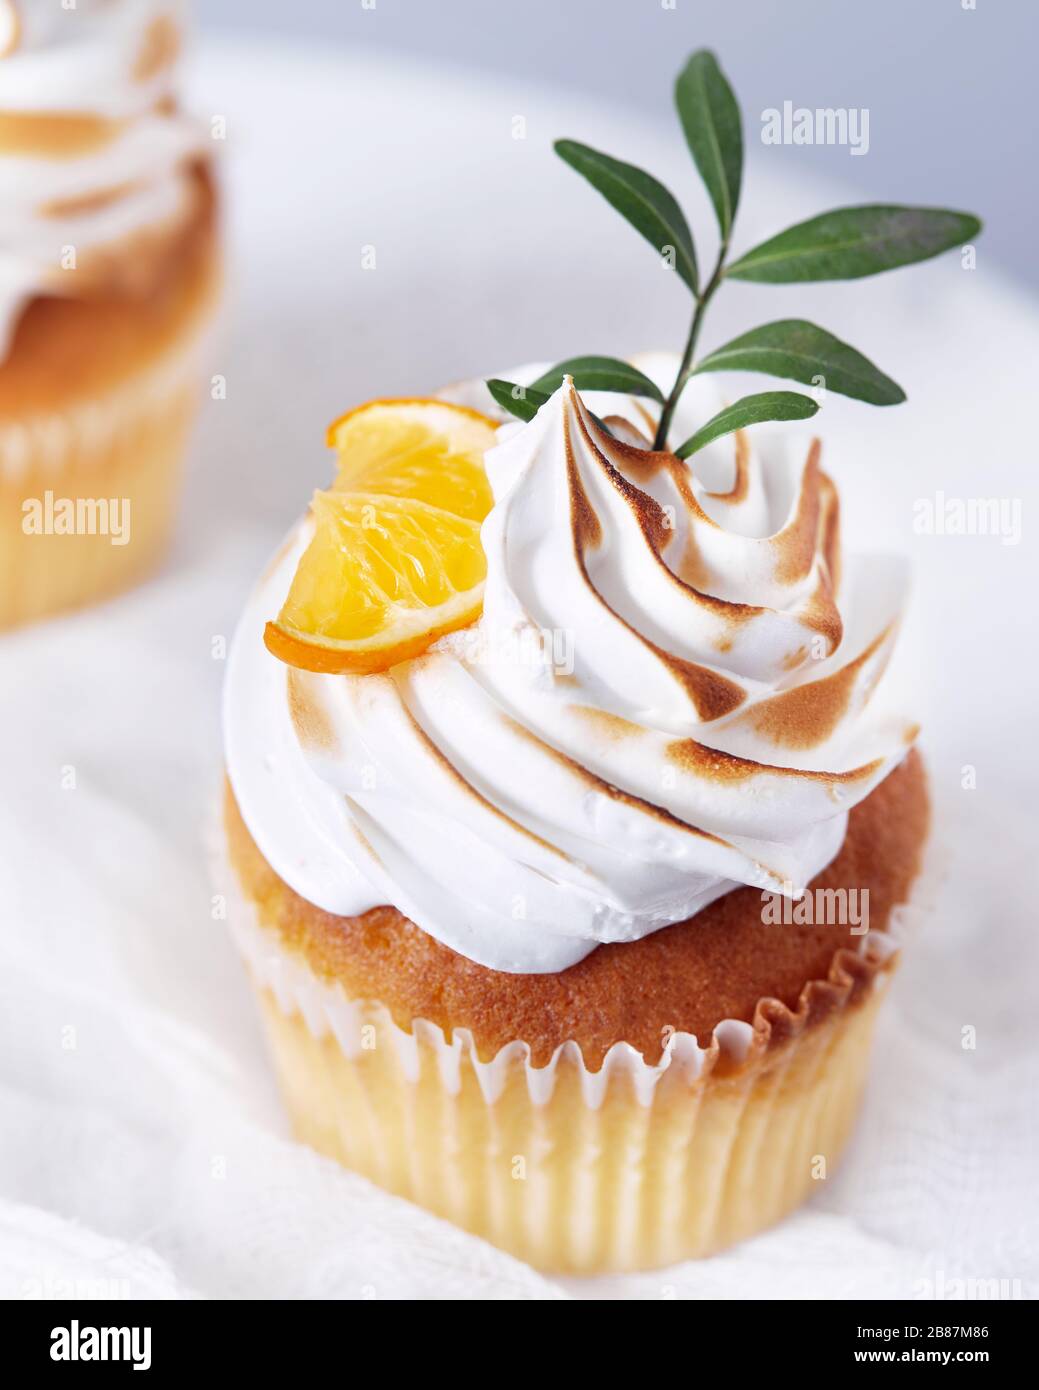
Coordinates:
851 242
599 374
522 401
751 410
797 349
639 198
710 117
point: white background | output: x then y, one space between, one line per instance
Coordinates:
143 1149
949 84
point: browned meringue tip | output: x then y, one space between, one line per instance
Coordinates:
10 27
160 48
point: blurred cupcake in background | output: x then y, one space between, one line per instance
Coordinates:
109 274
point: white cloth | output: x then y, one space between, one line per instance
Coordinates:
142 1147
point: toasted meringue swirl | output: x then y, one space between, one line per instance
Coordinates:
93 151
665 698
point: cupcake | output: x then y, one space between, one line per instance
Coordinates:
108 280
571 921
567 840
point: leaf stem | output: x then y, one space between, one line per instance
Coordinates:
685 369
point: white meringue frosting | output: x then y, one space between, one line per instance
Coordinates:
93 150
666 697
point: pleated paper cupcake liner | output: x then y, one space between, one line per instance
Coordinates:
109 467
631 1166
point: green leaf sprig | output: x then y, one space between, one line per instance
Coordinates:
844 244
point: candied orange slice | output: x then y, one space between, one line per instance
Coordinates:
423 449
395 560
